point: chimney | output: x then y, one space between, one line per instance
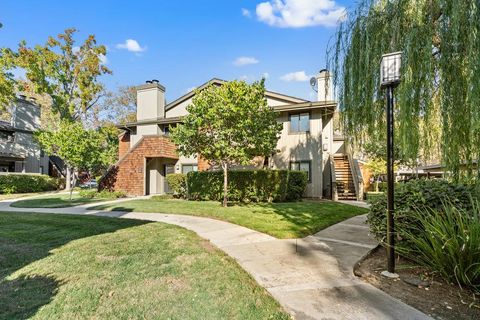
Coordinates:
26 114
325 86
150 100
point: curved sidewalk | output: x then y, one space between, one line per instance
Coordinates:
312 278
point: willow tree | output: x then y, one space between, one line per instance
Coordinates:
438 100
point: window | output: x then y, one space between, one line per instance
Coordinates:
6 136
300 122
186 168
302 166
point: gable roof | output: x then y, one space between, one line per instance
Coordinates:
218 82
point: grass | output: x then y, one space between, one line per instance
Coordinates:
87 267
55 201
281 220
12 196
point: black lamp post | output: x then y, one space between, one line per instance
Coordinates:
390 78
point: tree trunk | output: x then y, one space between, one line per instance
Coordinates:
74 180
225 183
68 179
376 185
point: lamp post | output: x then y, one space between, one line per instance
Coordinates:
390 78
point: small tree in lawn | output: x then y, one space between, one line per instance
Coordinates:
377 167
228 125
79 148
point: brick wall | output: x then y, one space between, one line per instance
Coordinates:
203 164
128 174
123 144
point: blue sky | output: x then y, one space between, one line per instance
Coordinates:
185 43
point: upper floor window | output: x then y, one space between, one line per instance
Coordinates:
300 122
7 136
186 168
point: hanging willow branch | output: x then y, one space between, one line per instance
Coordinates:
438 100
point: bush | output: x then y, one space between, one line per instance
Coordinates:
245 185
448 242
178 183
22 183
104 194
382 186
410 197
297 182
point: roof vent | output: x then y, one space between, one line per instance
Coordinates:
148 81
155 81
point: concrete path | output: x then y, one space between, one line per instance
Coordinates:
312 278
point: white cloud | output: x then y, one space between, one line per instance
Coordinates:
300 13
131 45
103 59
243 61
295 76
246 13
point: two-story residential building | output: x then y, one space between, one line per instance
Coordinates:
146 154
18 150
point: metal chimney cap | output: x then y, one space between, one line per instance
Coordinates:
155 81
148 81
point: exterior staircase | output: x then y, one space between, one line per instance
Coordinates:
344 178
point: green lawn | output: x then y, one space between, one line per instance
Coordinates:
55 201
86 267
281 220
12 196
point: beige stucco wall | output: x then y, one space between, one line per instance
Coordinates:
302 146
26 119
181 109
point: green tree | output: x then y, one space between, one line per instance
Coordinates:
228 125
79 148
377 167
438 101
68 75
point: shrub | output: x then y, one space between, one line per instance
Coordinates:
178 183
244 185
414 196
297 182
88 193
448 242
104 194
22 183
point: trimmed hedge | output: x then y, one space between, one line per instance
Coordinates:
297 182
104 194
416 196
23 183
247 185
178 184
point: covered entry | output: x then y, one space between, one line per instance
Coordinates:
156 170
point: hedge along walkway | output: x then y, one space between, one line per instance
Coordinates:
311 277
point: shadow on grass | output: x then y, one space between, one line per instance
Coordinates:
28 237
302 218
60 201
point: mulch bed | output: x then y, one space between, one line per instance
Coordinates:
420 288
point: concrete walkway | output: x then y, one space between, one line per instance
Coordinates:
312 278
